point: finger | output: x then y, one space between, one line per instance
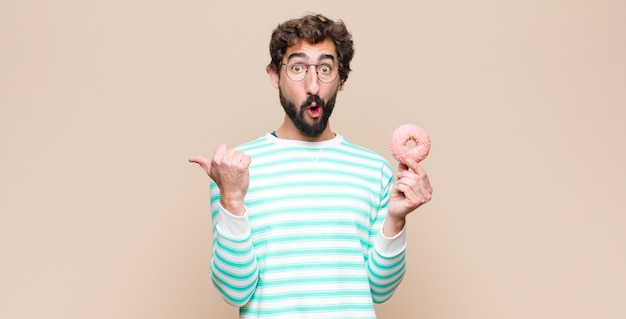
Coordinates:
402 167
424 180
407 173
415 185
423 188
235 157
413 165
420 172
407 186
218 156
202 161
239 161
412 198
220 152
246 160
232 155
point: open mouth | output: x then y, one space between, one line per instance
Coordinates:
314 106
314 110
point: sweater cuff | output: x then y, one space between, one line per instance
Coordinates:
390 246
233 226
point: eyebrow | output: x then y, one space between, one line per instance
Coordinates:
303 55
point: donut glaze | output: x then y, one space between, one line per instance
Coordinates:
402 135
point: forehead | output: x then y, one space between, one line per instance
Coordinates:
318 51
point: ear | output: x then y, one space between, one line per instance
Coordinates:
274 77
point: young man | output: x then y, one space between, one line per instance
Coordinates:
305 223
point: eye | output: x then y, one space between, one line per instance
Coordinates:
298 68
325 68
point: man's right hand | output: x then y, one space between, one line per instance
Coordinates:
229 169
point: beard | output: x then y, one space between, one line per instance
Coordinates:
297 114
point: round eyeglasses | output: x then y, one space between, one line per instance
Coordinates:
297 71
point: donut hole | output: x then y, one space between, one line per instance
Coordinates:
410 144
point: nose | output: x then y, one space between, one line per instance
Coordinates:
311 81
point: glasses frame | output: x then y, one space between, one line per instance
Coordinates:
306 72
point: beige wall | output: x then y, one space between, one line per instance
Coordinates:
102 102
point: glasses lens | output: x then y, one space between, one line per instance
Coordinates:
297 71
326 72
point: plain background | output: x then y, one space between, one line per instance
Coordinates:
102 102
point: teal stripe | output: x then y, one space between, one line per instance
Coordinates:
233 240
223 246
258 212
312 172
231 285
321 195
304 238
256 215
321 309
297 184
312 280
228 295
393 262
322 158
238 277
387 275
308 252
323 223
383 289
316 294
314 265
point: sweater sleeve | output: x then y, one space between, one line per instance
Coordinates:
386 263
234 269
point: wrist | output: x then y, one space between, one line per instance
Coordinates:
235 207
393 225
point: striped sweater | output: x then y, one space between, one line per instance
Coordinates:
309 244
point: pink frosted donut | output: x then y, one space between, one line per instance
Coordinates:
402 135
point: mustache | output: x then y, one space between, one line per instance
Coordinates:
313 98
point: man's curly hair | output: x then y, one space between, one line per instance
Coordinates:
313 29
